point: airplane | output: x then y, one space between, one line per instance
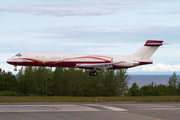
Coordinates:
93 62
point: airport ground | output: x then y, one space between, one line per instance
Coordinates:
90 111
90 99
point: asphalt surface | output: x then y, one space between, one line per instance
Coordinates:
90 111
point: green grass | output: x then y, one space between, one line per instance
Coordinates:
91 99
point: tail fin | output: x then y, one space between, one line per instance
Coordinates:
148 49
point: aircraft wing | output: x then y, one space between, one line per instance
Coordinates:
102 66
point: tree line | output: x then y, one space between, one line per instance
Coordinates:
64 82
172 88
38 81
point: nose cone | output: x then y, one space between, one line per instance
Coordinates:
9 61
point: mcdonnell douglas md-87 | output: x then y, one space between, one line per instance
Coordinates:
94 62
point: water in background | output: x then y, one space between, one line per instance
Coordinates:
142 80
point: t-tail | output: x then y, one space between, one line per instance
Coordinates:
148 49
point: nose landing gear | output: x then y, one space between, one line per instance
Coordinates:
15 69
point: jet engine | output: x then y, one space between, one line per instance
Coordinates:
129 63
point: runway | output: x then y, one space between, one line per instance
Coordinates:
89 111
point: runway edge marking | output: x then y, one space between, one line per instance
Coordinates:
108 107
139 115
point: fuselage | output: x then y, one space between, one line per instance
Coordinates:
73 60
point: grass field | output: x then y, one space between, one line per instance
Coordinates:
92 99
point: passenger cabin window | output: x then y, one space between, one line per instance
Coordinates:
18 55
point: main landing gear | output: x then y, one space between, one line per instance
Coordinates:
93 73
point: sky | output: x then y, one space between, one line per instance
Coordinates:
101 27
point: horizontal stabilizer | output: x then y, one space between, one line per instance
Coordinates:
153 43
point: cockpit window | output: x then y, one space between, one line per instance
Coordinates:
18 55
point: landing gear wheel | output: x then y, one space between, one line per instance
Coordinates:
95 73
91 73
15 69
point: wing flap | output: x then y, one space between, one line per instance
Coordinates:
102 66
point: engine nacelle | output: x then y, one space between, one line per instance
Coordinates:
129 63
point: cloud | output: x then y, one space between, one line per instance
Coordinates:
113 34
9 68
60 11
83 8
14 8
89 3
5 66
71 11
71 7
160 67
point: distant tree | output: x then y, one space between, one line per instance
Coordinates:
8 81
178 88
108 82
134 90
27 82
173 84
34 80
21 81
162 90
58 83
121 81
43 77
150 90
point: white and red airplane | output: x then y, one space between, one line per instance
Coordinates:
94 62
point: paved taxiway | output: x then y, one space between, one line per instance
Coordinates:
90 111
